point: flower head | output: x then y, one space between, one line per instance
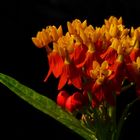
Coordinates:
94 60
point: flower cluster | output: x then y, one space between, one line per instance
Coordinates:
95 60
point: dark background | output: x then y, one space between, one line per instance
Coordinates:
20 59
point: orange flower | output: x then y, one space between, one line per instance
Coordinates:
46 36
70 73
100 87
55 64
133 70
100 71
102 57
79 54
135 51
98 91
110 54
102 90
90 57
118 73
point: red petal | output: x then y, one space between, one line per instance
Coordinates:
51 66
134 54
58 65
98 91
96 86
110 55
117 75
49 73
75 76
76 81
87 63
64 76
79 54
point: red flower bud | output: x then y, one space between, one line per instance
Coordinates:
74 102
69 105
61 98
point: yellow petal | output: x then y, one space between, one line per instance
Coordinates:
120 20
113 30
84 24
104 65
37 42
70 28
54 33
95 65
138 62
45 37
60 31
83 36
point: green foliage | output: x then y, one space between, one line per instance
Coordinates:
47 106
103 130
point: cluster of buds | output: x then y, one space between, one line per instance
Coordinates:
70 102
94 60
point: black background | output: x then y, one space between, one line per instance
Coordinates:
19 58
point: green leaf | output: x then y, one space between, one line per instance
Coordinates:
47 106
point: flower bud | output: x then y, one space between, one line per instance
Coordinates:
69 105
74 102
61 98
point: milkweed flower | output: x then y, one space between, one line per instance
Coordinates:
94 60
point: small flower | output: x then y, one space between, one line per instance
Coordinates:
100 71
97 90
113 30
70 74
55 64
79 54
110 54
135 51
46 36
89 58
133 70
118 73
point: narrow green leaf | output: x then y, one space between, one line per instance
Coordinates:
47 106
